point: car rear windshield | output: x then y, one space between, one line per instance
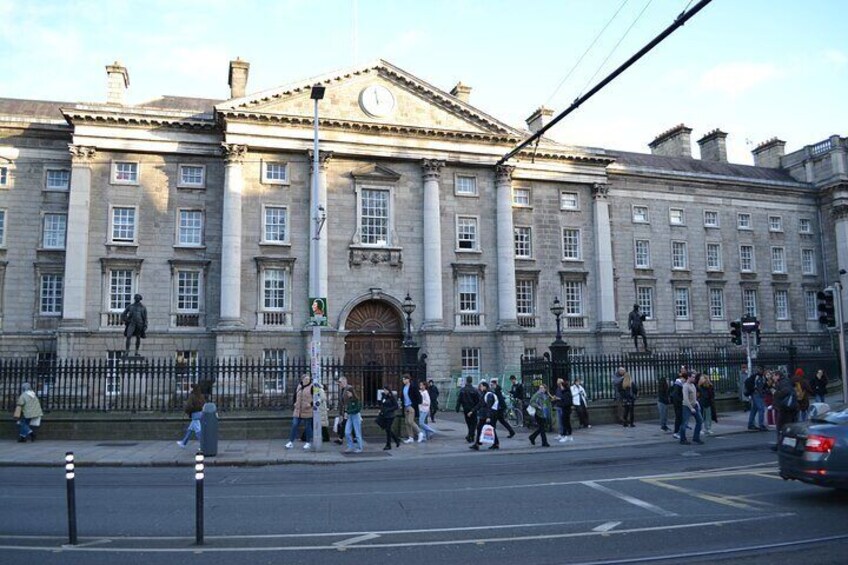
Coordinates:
840 417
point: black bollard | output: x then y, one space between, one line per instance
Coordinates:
198 479
72 500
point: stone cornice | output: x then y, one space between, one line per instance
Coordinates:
800 188
137 117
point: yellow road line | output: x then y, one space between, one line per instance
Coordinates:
718 499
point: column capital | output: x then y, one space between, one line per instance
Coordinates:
233 152
839 212
432 168
600 191
323 159
81 154
503 173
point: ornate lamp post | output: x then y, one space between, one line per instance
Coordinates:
557 309
408 308
410 348
559 348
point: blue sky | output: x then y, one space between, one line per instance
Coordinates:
753 68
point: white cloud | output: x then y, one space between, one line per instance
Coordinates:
836 57
737 77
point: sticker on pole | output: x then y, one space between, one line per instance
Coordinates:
318 311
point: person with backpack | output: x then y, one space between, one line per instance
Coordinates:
785 403
540 409
28 411
563 403
467 401
663 400
487 406
386 418
676 397
627 391
194 410
756 388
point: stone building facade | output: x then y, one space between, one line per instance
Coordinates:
205 208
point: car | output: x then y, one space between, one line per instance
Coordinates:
816 451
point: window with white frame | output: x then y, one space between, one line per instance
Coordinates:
714 256
523 242
568 201
781 304
521 197
192 176
275 172
374 216
465 185
640 214
778 260
749 302
121 289
123 224
675 216
2 228
805 225
525 299
190 228
645 300
679 256
50 295
188 291
716 303
124 172
811 304
572 301
466 233
273 374
743 221
529 353
642 254
469 295
746 258
186 370
274 295
113 376
775 223
274 224
711 218
681 303
470 362
4 176
808 262
274 302
58 179
571 248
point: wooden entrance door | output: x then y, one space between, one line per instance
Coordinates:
373 346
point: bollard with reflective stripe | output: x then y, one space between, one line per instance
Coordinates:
72 501
198 479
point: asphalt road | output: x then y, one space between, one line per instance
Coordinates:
722 502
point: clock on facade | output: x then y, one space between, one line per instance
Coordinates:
377 101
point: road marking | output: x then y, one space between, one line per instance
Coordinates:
631 499
605 527
357 539
718 499
89 543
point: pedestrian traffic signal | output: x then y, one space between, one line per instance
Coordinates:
827 313
757 332
736 332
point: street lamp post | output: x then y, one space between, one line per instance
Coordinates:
557 309
410 348
559 348
318 217
408 308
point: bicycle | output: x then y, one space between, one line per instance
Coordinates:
514 412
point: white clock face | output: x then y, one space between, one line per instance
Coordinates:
377 101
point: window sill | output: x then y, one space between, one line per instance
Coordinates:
276 182
522 206
477 251
564 260
56 190
122 245
275 243
48 249
196 247
191 187
119 183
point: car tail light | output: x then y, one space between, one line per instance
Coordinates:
819 444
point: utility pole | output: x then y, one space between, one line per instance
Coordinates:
318 298
840 324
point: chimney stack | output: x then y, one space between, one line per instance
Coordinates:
238 78
117 81
462 92
539 119
675 142
714 146
768 153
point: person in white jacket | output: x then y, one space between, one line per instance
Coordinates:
581 403
427 431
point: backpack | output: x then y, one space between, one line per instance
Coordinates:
749 385
790 402
676 394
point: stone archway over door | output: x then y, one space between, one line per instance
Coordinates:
373 345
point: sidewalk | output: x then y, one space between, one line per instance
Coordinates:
449 442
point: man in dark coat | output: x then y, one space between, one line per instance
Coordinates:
467 402
134 318
637 328
486 410
500 414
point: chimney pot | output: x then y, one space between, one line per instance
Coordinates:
769 153
714 146
461 92
675 142
238 78
539 119
117 82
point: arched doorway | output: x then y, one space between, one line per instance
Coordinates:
373 346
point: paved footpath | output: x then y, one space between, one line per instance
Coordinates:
449 442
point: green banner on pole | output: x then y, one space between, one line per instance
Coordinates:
318 311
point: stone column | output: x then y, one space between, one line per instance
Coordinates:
507 311
231 235
76 256
433 312
318 273
603 253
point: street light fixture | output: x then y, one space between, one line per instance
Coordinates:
557 309
318 217
408 308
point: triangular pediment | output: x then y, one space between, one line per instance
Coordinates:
375 172
378 93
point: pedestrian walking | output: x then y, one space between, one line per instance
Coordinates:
433 390
757 387
676 396
341 418
324 413
691 409
386 418
627 392
28 413
500 415
302 412
618 401
411 401
706 399
743 376
563 403
785 403
663 400
581 403
424 413
516 391
819 385
486 409
540 409
466 401
804 392
194 410
354 421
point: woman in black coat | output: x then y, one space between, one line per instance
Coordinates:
386 418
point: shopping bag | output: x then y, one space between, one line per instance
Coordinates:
487 435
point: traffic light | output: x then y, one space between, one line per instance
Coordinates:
736 332
827 313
